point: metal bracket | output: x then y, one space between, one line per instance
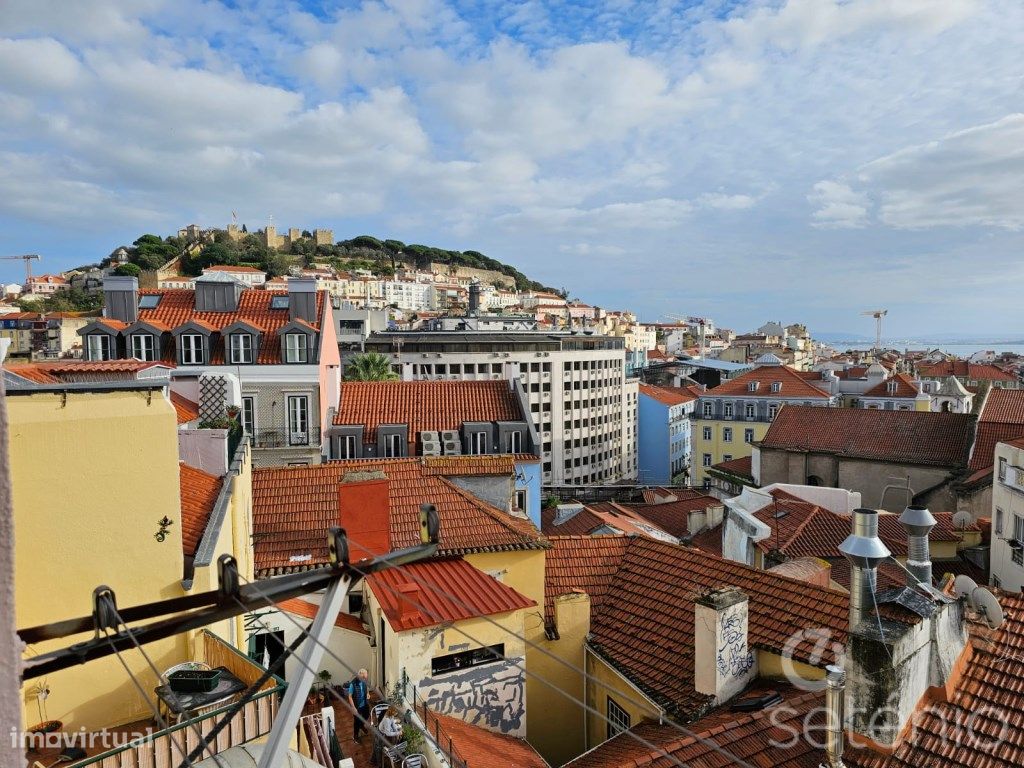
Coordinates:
227 577
104 609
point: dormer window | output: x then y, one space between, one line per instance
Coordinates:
752 386
891 386
192 352
707 409
240 346
776 386
98 346
296 348
144 347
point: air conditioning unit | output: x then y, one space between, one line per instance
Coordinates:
452 448
430 435
450 435
495 375
506 354
431 448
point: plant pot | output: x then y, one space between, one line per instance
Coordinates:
194 680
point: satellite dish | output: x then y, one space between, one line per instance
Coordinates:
988 606
964 586
962 520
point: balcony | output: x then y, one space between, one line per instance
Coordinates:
139 745
282 438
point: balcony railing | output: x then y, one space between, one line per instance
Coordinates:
252 721
436 732
283 438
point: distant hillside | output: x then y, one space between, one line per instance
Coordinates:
382 257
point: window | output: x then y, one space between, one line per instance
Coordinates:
515 442
392 446
618 718
478 443
1002 468
149 301
773 411
750 410
241 348
999 520
707 409
752 386
727 410
727 434
346 446
727 457
295 348
144 347
521 499
776 386
707 433
192 349
249 415
1018 535
748 435
99 346
298 420
474 658
705 460
279 302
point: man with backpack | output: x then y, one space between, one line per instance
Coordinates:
359 700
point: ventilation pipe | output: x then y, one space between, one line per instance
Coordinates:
866 552
835 714
919 522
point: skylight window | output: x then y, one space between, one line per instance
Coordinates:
279 302
150 301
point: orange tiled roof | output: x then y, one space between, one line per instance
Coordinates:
186 410
911 437
199 491
580 564
743 467
480 747
424 405
966 370
177 307
905 387
81 370
673 516
443 591
597 515
670 395
308 610
294 506
793 385
1001 419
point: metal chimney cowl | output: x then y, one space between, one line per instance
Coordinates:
918 522
866 552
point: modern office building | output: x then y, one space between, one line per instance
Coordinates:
582 403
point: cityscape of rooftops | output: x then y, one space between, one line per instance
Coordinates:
446 384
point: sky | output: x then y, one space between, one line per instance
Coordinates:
794 160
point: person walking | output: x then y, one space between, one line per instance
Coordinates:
359 700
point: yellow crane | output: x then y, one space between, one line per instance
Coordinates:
878 314
28 258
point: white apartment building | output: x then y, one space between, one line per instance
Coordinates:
409 295
250 276
581 402
1007 552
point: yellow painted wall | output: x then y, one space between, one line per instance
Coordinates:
605 683
717 446
555 721
771 666
91 477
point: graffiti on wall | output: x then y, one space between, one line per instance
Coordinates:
733 658
492 696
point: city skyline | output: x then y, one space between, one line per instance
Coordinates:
797 161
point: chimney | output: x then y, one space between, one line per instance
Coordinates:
474 297
302 299
724 663
919 522
409 601
866 552
364 511
835 715
121 298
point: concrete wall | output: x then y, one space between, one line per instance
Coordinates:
91 477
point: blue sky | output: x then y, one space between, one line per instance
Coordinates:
800 160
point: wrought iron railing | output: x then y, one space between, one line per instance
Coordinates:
436 732
283 438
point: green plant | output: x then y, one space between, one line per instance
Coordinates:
412 736
370 366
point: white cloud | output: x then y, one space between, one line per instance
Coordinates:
838 206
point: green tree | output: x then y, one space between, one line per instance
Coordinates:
370 366
128 270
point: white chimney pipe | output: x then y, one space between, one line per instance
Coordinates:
835 714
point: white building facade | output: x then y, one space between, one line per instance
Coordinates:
1007 553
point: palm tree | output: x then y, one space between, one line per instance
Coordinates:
370 366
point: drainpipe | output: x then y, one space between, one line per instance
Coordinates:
918 522
835 689
866 552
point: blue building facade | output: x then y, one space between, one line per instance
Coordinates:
663 433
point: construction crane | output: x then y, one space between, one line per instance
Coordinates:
878 314
28 258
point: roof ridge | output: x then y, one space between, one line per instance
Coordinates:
487 508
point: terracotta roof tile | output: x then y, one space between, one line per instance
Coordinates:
966 370
743 467
904 388
580 563
911 437
481 748
185 409
294 506
81 370
670 395
177 307
425 405
793 385
307 610
673 516
441 591
1001 419
199 491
